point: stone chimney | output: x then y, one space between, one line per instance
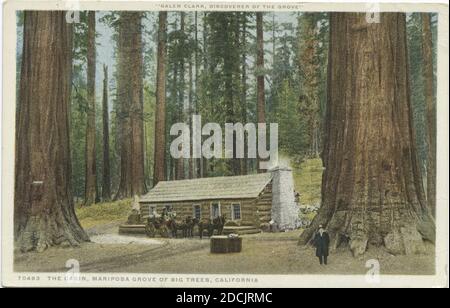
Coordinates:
285 212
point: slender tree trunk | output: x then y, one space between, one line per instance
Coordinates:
160 114
175 115
106 183
427 52
274 39
205 62
228 64
91 177
43 201
181 95
190 112
261 100
198 161
205 42
244 164
130 96
236 73
371 191
148 154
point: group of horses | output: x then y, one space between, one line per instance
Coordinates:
168 225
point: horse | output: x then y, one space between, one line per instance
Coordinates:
210 225
204 225
176 225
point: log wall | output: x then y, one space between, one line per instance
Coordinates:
253 211
263 206
186 208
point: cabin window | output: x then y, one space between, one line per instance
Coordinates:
168 208
197 211
151 210
236 211
215 210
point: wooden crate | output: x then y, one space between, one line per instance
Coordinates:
225 244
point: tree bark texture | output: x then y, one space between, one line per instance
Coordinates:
371 188
244 164
106 181
260 95
130 96
160 113
90 192
43 203
427 53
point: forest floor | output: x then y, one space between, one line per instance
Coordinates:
265 253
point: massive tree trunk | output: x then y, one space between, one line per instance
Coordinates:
371 191
260 95
90 192
160 114
427 53
43 202
130 96
106 183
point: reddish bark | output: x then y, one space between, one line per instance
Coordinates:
371 189
43 201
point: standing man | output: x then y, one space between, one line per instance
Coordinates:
322 242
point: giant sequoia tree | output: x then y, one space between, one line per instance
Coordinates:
43 203
372 189
130 101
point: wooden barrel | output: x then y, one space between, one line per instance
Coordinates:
225 244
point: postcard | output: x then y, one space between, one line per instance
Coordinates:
224 144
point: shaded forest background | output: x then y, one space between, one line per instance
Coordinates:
211 69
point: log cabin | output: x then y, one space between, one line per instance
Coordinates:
254 201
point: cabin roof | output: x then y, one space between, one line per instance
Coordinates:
213 188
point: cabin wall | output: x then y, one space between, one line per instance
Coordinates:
249 216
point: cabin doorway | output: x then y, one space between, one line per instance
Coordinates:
215 210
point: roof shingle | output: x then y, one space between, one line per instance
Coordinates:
228 187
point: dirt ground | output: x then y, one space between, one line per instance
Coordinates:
262 254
